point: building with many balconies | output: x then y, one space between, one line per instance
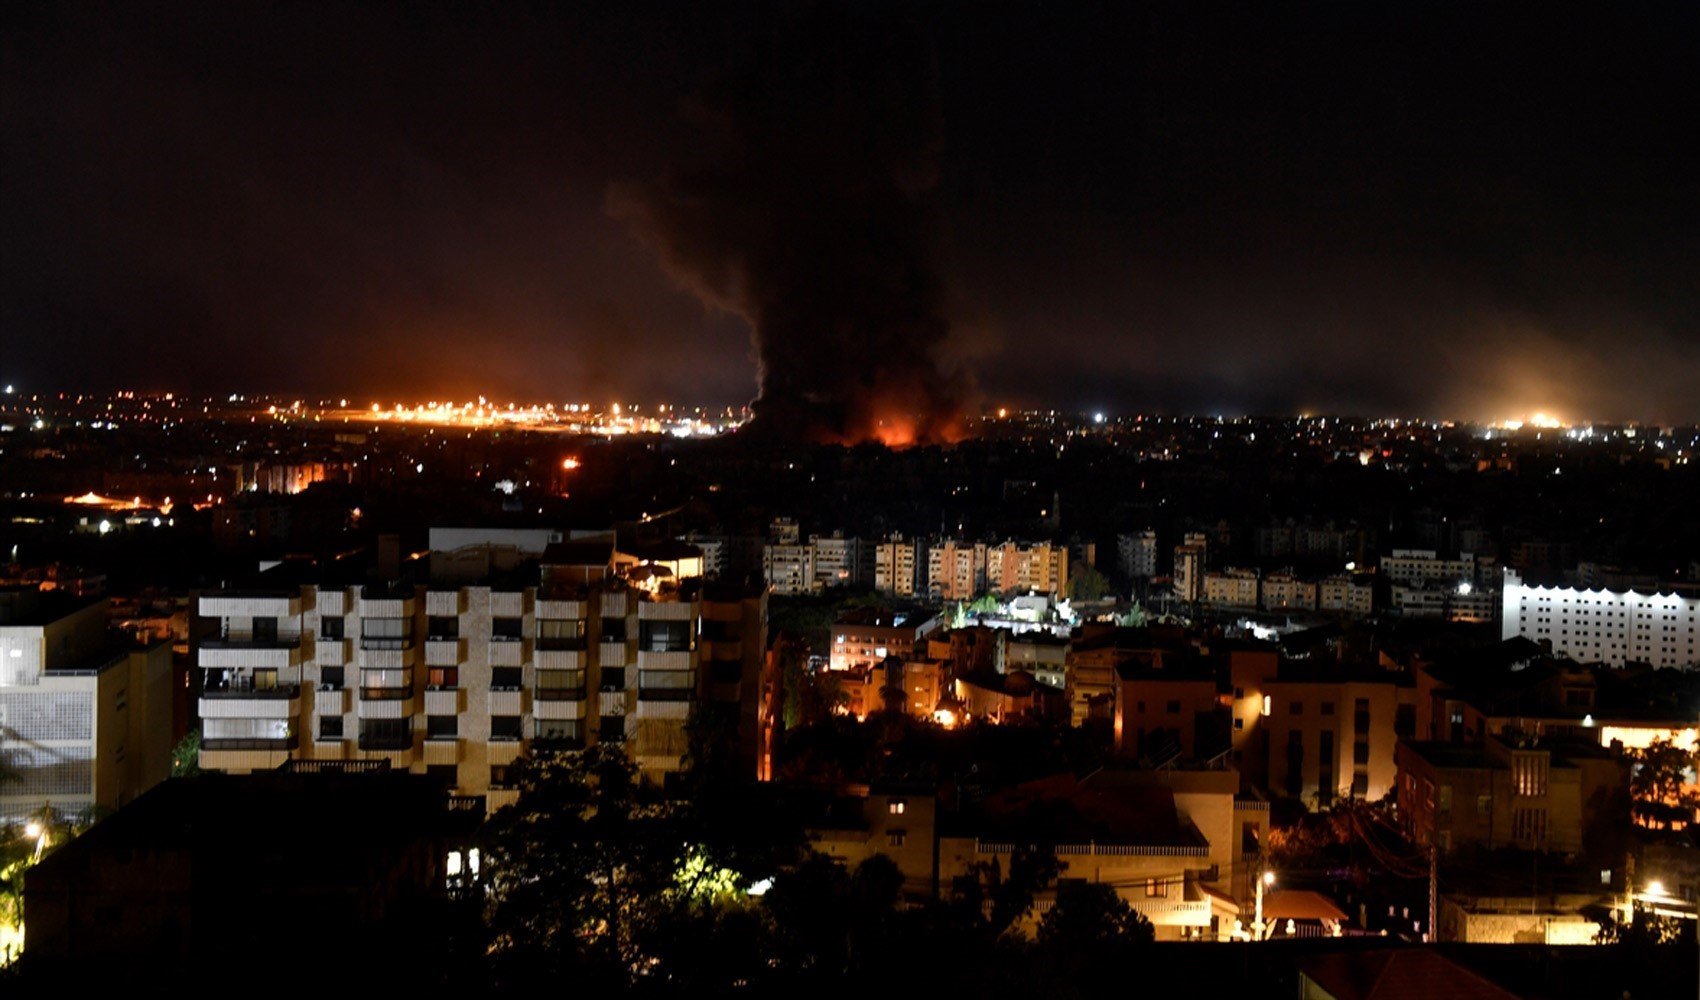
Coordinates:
460 679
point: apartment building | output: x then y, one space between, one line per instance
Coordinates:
1461 602
1136 554
837 561
85 717
1021 568
789 568
1605 626
1510 790
460 679
1347 594
956 571
895 565
1283 591
866 636
1231 588
1421 566
1317 732
1189 572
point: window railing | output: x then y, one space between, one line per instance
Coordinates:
386 741
280 692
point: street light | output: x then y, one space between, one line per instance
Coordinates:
1266 879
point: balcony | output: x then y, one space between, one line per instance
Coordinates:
507 652
507 702
251 604
444 701
290 742
280 692
612 654
558 659
251 654
671 659
444 652
388 659
331 652
556 609
444 603
331 701
544 708
507 603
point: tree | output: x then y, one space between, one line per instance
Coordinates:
1006 895
829 920
582 869
186 755
1085 583
1092 917
1660 784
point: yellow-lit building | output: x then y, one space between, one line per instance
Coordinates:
85 716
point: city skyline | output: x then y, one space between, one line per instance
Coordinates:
1431 213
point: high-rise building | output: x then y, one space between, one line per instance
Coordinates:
461 679
956 571
1136 554
1605 626
837 561
894 566
85 717
1231 588
1189 572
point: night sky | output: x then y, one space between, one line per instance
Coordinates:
1427 209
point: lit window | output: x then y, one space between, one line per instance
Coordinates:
897 806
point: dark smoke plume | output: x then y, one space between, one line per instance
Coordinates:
807 213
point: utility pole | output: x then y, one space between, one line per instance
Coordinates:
1433 891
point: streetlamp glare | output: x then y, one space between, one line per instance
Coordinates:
32 829
1655 888
1268 878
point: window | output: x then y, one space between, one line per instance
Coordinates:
611 729
564 731
506 678
386 633
1360 753
507 629
1327 708
442 678
1296 708
613 678
448 774
330 727
265 630
896 838
331 627
443 627
1239 693
504 727
499 775
613 630
1239 724
1174 708
1360 715
441 727
664 637
330 678
560 633
1156 888
896 806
